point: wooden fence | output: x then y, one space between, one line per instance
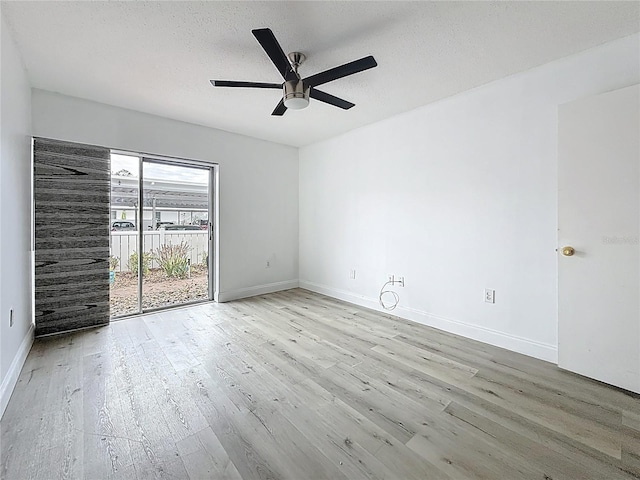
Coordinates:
124 244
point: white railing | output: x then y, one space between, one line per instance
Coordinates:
124 244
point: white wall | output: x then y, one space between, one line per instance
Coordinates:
258 182
456 196
15 208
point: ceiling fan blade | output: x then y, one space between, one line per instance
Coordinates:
341 71
268 41
231 83
330 99
280 109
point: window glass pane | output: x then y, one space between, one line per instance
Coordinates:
174 196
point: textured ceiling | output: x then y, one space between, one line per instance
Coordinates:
158 57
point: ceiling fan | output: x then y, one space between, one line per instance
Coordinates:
296 90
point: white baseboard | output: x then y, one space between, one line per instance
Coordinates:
514 343
345 295
255 290
10 380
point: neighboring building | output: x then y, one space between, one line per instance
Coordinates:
179 202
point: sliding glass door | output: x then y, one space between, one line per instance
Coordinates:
162 208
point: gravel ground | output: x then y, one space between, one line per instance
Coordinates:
158 290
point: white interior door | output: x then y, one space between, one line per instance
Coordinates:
599 215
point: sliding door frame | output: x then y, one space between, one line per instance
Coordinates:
213 246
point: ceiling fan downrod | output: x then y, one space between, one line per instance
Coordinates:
296 59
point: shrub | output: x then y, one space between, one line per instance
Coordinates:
113 263
173 259
205 260
133 263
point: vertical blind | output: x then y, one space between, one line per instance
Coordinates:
71 210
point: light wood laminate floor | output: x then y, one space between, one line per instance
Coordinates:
295 385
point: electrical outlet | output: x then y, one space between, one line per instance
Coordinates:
268 264
11 317
400 281
391 278
489 295
352 274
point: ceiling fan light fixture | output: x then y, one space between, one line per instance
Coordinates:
296 96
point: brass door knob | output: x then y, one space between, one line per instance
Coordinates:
568 251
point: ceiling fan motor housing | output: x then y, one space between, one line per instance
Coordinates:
296 96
